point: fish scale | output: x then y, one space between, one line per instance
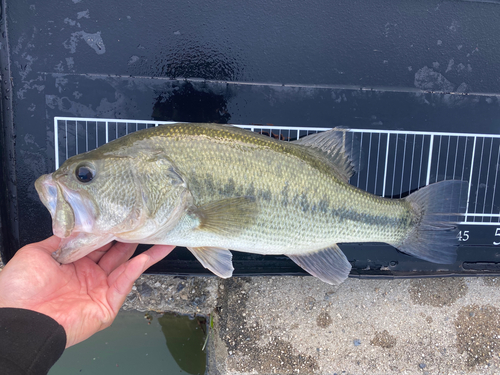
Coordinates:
209 167
213 187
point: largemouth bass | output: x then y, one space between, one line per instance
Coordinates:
212 188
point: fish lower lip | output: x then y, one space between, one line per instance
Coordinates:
56 254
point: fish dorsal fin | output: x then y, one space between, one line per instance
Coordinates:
226 216
329 265
335 147
217 260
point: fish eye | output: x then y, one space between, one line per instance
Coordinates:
85 173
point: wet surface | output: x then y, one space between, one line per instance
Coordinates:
185 295
274 355
492 281
478 332
359 64
324 320
426 65
437 292
185 337
137 343
362 65
384 339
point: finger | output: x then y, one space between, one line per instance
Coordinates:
157 253
122 279
96 255
117 255
49 245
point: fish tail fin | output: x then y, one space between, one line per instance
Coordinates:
438 207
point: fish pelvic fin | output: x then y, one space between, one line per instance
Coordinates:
226 216
438 207
336 149
217 260
329 265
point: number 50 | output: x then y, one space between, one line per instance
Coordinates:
497 233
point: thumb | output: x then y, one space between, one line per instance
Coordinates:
49 245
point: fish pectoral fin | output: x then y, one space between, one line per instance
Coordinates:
336 149
329 265
226 216
217 260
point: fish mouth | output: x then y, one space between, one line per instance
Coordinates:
71 211
52 197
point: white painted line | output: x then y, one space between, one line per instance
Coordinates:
366 135
429 161
470 177
478 185
368 162
56 142
496 179
386 162
487 174
478 223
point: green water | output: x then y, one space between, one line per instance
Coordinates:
170 344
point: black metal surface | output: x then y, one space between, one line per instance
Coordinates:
9 224
414 65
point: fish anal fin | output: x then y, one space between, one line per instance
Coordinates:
217 260
226 216
336 148
329 264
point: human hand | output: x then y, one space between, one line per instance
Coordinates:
85 296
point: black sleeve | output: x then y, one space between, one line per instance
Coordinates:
30 342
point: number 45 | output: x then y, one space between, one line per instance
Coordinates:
464 236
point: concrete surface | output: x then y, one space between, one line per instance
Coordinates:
299 325
191 295
292 325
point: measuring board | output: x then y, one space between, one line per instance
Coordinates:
390 163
